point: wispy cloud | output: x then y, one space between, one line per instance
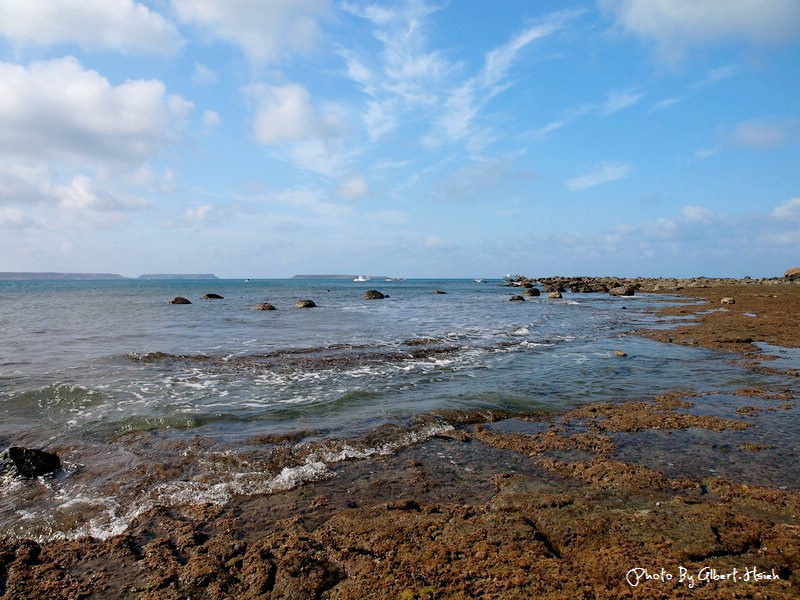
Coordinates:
765 134
598 175
714 76
466 101
619 100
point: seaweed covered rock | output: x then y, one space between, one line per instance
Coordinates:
179 300
27 463
373 295
212 297
304 304
264 306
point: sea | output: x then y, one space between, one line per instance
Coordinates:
150 404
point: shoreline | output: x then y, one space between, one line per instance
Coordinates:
563 506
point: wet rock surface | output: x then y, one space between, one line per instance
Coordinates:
575 505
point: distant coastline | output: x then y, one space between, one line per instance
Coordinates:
97 276
338 276
178 276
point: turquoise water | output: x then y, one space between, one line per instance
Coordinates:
115 378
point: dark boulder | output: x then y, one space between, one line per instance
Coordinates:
792 274
179 300
27 463
517 299
439 292
264 306
532 292
622 290
212 297
373 295
304 304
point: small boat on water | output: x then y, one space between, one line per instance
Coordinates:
478 280
395 279
361 278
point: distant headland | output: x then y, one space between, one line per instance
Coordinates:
98 276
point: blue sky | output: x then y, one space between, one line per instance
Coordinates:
265 138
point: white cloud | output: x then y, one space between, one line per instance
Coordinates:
387 217
33 195
198 213
88 118
466 101
353 189
602 173
266 30
697 214
211 119
788 211
703 153
617 101
204 75
405 75
764 134
285 114
82 195
714 76
666 103
675 26
14 218
286 119
121 25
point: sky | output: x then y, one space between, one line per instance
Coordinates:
460 138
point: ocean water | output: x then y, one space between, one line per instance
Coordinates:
150 403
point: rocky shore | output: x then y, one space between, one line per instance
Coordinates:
681 495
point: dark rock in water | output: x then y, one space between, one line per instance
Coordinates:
532 292
179 300
304 304
212 297
439 292
27 462
517 299
622 290
373 295
264 306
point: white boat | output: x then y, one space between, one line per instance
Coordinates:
478 280
361 278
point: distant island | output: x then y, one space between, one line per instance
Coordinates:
338 276
98 276
178 276
23 275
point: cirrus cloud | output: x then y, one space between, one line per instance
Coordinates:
605 172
